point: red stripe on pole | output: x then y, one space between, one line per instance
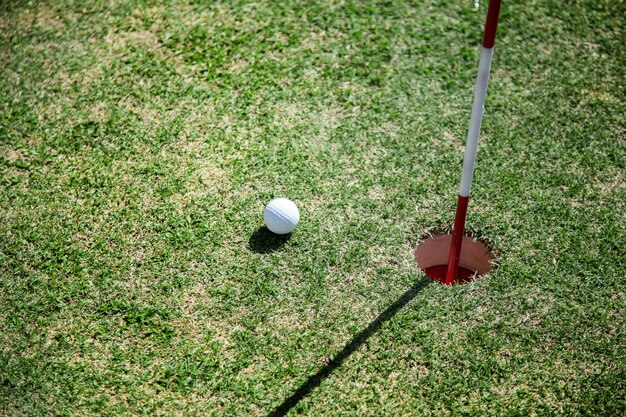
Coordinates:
493 12
457 240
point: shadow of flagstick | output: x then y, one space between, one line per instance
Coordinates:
315 380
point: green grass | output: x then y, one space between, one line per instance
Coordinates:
139 142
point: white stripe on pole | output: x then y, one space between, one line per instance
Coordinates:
471 146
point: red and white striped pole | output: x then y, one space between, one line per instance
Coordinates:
471 146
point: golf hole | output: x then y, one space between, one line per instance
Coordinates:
431 256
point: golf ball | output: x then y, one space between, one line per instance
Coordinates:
281 216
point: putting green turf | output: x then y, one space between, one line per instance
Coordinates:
140 140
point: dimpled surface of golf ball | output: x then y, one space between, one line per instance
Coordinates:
281 216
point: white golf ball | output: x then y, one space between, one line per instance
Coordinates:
281 216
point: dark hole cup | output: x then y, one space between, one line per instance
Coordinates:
431 256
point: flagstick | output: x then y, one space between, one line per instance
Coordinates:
480 90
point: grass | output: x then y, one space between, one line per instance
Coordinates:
139 141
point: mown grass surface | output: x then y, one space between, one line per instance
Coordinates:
139 141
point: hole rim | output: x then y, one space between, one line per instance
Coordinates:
468 272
